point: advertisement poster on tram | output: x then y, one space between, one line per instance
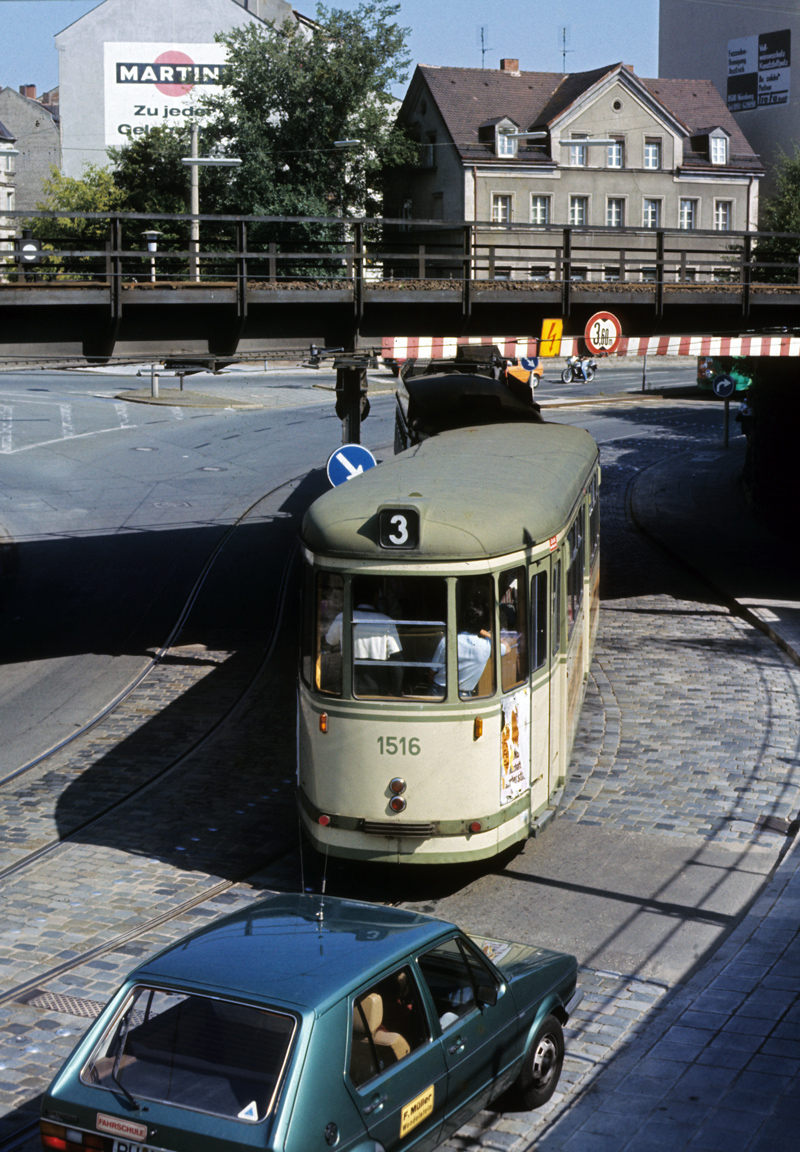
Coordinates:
515 747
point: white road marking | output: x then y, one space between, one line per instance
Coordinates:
67 427
6 414
122 414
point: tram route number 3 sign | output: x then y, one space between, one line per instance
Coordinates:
603 334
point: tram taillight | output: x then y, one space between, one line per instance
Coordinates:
324 820
475 826
397 785
397 804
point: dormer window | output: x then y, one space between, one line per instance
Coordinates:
506 143
719 149
499 135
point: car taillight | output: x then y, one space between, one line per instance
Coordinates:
61 1139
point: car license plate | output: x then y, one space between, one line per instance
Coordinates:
129 1146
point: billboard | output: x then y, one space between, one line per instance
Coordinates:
758 70
147 84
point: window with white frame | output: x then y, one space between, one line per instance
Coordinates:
615 157
540 209
615 213
578 152
723 215
719 150
651 214
506 144
578 209
652 153
687 214
501 208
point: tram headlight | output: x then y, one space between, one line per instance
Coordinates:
397 804
397 785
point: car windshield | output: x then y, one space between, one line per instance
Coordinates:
195 1052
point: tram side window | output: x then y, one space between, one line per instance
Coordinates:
539 619
475 611
575 544
594 516
555 631
328 604
399 627
513 628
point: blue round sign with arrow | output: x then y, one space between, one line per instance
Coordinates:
348 461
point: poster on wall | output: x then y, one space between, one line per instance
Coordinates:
758 71
156 84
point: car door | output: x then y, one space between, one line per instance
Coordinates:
397 1074
479 1038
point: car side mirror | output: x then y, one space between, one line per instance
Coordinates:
487 995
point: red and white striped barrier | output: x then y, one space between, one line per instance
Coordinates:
399 348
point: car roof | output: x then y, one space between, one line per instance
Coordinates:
304 950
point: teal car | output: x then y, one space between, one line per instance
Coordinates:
306 1023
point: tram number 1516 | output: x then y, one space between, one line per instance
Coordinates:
391 745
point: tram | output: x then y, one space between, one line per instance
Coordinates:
450 610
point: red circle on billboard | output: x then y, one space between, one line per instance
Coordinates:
183 86
603 334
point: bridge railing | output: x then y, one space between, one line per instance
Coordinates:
84 248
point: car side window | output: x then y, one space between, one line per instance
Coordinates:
453 980
388 1023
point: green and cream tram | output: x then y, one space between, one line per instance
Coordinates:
450 610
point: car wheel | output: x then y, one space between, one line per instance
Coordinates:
566 376
542 1064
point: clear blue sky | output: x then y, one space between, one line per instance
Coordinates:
445 32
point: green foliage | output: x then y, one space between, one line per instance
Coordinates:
781 213
289 96
95 191
149 171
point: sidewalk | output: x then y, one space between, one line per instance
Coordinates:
718 1067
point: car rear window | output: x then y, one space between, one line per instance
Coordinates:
197 1052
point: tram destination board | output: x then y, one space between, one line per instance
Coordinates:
398 528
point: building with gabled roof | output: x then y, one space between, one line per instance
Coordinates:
125 68
38 142
598 149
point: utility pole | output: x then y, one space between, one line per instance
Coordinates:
194 207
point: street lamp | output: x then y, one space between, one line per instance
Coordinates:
196 162
151 237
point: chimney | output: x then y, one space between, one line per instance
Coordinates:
509 65
28 90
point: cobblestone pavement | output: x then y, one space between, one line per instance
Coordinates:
689 731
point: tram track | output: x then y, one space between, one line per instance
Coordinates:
159 777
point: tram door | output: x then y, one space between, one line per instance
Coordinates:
540 685
558 687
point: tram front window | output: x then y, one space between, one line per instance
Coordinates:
475 608
328 603
398 626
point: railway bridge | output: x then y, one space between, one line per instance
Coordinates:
261 283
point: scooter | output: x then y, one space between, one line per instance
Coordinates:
579 369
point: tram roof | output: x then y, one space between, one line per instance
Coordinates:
480 492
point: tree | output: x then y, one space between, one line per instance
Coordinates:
289 96
149 172
781 213
95 191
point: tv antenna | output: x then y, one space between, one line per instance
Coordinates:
483 31
564 49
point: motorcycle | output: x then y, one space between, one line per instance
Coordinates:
579 370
